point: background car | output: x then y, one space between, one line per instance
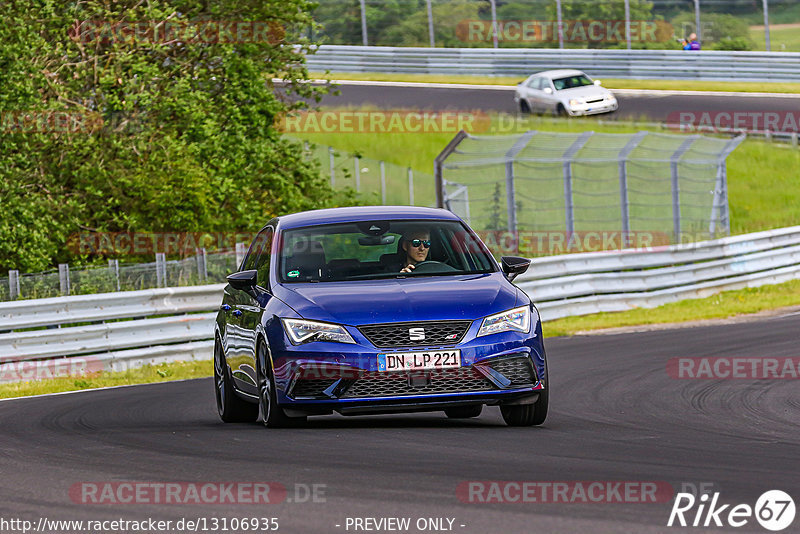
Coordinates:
320 318
564 92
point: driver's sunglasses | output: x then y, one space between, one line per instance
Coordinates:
417 242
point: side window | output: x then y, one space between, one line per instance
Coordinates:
534 83
263 262
255 250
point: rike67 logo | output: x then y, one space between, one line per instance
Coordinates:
774 510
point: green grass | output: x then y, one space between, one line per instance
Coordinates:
721 305
164 372
783 38
762 177
611 83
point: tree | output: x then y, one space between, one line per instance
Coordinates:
166 132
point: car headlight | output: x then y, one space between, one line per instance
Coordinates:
516 320
575 102
301 331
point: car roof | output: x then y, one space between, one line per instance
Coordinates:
559 73
363 213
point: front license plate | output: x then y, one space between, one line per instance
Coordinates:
416 361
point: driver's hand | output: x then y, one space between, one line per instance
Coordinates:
407 269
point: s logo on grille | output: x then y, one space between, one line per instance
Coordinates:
416 334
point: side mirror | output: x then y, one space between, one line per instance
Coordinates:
514 266
243 280
598 83
548 90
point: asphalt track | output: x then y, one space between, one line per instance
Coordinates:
633 105
616 415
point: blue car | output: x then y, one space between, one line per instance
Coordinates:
374 310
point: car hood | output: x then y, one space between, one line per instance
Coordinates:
398 300
586 91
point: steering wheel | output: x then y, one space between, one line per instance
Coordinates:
432 266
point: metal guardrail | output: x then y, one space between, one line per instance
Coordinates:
705 65
164 324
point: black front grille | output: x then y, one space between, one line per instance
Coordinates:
518 370
391 335
376 384
311 387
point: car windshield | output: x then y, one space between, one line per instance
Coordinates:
571 82
380 249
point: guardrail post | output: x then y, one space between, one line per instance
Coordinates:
241 250
410 187
333 166
113 266
202 271
357 161
13 284
161 269
63 278
794 139
383 182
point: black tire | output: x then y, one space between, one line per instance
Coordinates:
529 414
272 415
230 407
464 412
560 111
524 108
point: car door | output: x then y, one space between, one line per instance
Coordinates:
549 98
532 93
244 306
250 306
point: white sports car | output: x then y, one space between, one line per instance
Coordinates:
563 92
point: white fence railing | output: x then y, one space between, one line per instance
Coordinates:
177 323
665 64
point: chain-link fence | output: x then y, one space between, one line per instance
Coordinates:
656 24
377 182
202 268
671 188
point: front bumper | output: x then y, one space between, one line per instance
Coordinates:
604 106
322 377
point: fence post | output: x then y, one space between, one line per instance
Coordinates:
63 278
766 26
333 166
511 195
560 24
357 161
628 23
13 284
364 39
383 182
161 269
794 139
241 250
113 266
567 166
675 184
430 25
410 187
494 23
624 203
202 271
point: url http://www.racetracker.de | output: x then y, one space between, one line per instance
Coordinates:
46 525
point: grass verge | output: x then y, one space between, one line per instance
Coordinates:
611 83
722 305
164 372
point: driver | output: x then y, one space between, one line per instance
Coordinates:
416 244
